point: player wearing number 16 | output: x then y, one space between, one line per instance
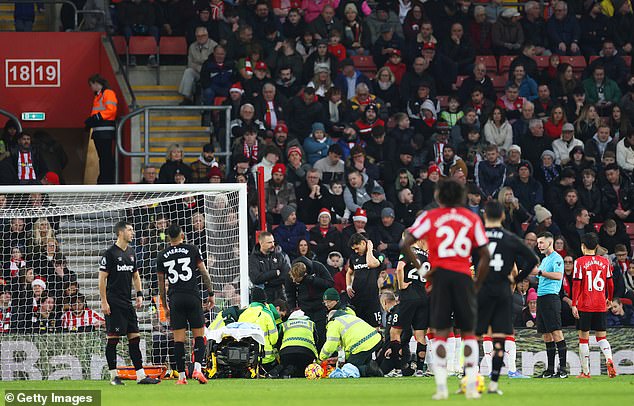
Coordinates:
185 306
117 273
452 233
592 279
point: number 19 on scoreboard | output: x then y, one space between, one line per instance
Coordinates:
32 73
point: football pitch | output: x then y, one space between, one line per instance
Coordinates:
347 392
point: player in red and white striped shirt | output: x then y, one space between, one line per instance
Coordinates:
592 278
81 319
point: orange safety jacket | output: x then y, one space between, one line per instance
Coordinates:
103 114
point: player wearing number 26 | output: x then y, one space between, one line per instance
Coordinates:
183 265
592 291
452 233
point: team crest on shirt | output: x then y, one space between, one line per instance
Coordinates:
131 257
275 260
119 259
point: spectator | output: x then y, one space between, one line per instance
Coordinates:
47 320
534 28
472 150
247 144
442 69
565 83
311 196
526 85
357 37
563 31
174 162
387 234
617 198
459 49
490 173
380 149
385 84
612 62
40 232
590 194
5 308
197 54
595 29
507 34
512 102
386 46
368 119
498 130
625 152
382 15
279 193
621 261
216 75
413 78
621 24
411 17
80 319
138 17
349 79
25 165
290 232
322 81
296 169
574 231
529 314
543 221
514 212
526 189
321 58
480 32
358 190
587 123
149 174
287 81
619 314
547 171
253 87
375 205
452 114
601 90
520 126
269 106
302 111
324 237
563 146
407 208
324 23
578 162
601 142
620 125
544 103
200 167
520 301
332 166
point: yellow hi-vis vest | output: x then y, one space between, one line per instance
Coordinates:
259 314
350 333
299 333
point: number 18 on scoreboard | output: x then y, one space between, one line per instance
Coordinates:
32 73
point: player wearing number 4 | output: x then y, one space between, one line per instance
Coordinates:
592 275
495 299
185 306
452 233
117 272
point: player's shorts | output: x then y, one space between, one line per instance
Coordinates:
369 311
121 321
495 311
592 321
452 292
548 313
413 314
186 309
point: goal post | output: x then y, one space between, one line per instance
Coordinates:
52 241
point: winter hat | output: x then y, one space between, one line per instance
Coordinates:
429 45
360 215
548 153
38 282
324 212
279 168
510 13
531 295
542 213
318 127
260 65
286 212
429 105
373 107
236 87
331 294
281 127
214 172
515 147
258 295
292 149
52 178
432 169
208 147
387 212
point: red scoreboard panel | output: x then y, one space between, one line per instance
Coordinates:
32 73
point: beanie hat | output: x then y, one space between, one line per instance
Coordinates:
531 295
214 171
279 168
542 213
360 215
432 169
292 149
548 153
516 148
318 127
324 212
281 127
286 212
236 87
52 178
258 295
331 294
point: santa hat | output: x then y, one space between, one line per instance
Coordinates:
236 87
360 215
38 282
324 212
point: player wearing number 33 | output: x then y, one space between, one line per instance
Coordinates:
452 233
185 305
117 272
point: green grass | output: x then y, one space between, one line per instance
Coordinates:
345 392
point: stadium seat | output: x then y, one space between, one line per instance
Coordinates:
460 79
542 61
488 61
173 46
505 63
119 44
218 100
143 46
578 62
626 301
365 64
629 229
499 81
628 60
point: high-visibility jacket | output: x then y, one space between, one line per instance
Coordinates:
350 333
261 315
227 316
104 113
299 332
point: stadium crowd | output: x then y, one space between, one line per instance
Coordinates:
345 150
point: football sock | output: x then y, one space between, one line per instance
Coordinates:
584 354
421 353
451 353
511 352
429 356
179 354
111 354
605 348
199 352
457 342
498 358
471 357
113 374
562 350
550 354
440 364
135 353
487 347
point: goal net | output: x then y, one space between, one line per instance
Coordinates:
52 326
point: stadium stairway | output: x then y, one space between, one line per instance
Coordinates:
166 127
6 18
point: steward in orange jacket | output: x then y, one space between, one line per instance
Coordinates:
102 122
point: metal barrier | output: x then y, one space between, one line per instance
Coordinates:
12 117
146 154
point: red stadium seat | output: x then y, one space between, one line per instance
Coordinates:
460 79
505 63
143 46
499 81
218 100
593 58
173 46
578 62
629 229
542 61
488 61
597 226
119 44
628 60
626 301
339 227
365 64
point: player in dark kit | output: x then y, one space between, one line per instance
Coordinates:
391 354
364 267
495 299
452 233
117 273
413 306
183 265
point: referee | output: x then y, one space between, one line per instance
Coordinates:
117 272
550 275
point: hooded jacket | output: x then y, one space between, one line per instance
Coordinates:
490 177
263 271
308 294
355 197
596 149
